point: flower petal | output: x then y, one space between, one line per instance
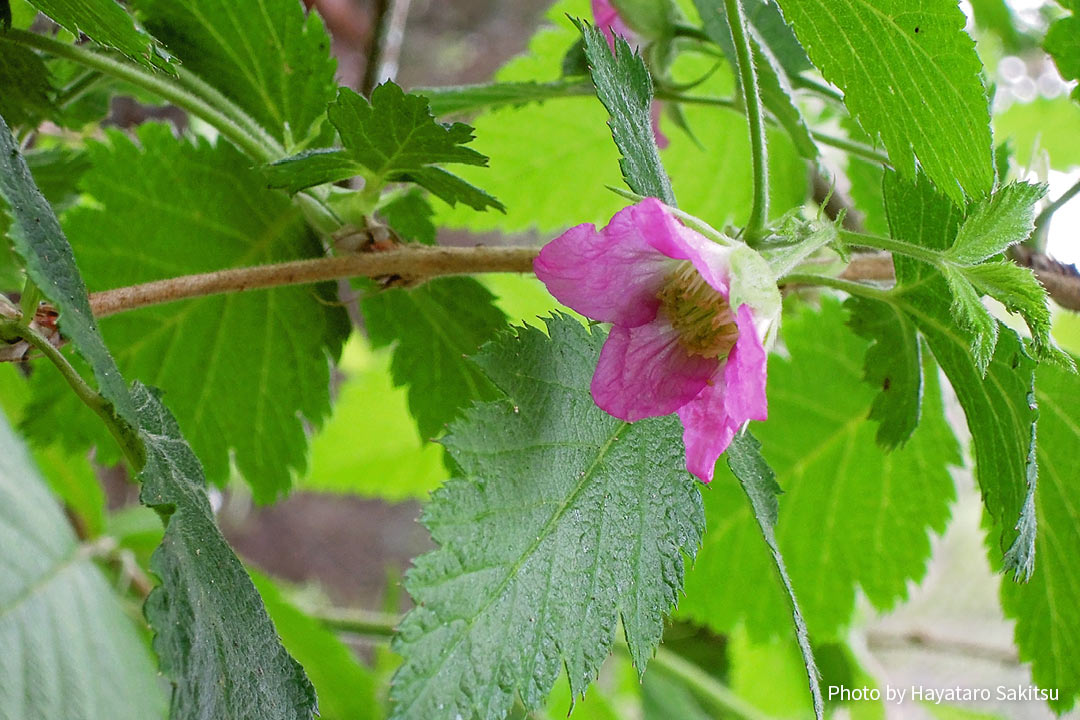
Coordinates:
746 371
672 238
661 139
612 275
608 20
645 372
707 430
711 419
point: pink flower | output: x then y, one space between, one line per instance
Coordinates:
676 344
607 19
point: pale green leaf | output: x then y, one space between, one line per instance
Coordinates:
69 650
911 77
243 373
1045 609
457 99
1005 218
563 521
1046 124
873 511
28 92
624 86
264 55
1063 43
107 22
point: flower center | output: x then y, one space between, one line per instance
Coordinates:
700 314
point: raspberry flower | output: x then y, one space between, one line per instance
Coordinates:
690 322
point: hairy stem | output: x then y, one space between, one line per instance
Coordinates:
848 286
759 212
412 264
704 686
892 245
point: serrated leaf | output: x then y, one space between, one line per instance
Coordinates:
874 510
893 364
970 314
994 395
435 327
213 636
759 483
1063 43
70 651
1047 616
911 77
564 520
1005 218
36 237
265 55
248 403
311 167
107 23
451 189
28 91
346 688
624 86
458 99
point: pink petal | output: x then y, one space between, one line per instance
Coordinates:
707 430
711 419
745 372
677 241
645 372
612 275
608 20
661 139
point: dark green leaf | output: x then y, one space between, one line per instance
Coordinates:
1063 43
624 86
455 100
346 689
451 189
1046 612
213 636
759 483
565 520
873 511
50 263
893 364
28 91
70 651
243 373
972 316
410 217
107 23
1005 218
58 172
311 167
264 55
911 77
435 327
5 14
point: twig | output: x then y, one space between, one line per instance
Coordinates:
385 49
410 264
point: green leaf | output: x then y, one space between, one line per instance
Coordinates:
624 86
50 263
1063 43
265 55
410 217
243 373
893 364
995 16
311 167
58 172
458 99
874 511
759 483
28 91
435 327
346 689
911 77
370 445
564 520
213 636
451 189
1044 124
107 23
995 393
70 651
1047 616
971 315
1005 218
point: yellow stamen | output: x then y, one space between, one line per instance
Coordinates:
701 315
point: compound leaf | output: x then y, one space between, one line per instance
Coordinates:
70 651
911 77
563 521
265 55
